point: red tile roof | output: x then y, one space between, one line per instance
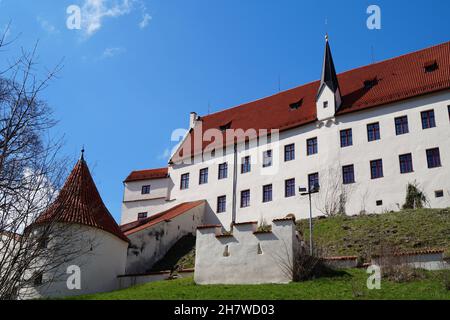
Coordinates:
174 212
149 174
79 202
398 79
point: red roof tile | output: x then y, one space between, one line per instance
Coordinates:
149 174
79 202
398 79
174 212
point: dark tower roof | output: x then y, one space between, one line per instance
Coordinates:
79 202
329 76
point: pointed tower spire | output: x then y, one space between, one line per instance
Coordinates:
328 100
329 77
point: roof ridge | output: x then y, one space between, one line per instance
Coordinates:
318 80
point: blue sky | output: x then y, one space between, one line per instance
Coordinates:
137 68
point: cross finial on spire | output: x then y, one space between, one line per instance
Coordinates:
326 37
82 153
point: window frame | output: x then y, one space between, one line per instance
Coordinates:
268 154
289 189
223 171
145 188
373 132
221 204
346 138
246 165
267 193
428 118
436 155
142 216
379 173
406 165
245 200
316 177
203 176
289 152
345 174
401 126
184 181
312 148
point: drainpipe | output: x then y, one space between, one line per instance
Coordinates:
233 217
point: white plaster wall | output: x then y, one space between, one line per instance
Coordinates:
134 202
150 245
99 267
244 265
430 261
363 194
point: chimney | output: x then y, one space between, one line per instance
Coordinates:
193 119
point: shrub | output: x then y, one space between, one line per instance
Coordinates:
415 197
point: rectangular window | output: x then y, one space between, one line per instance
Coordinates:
433 158
373 131
401 125
439 193
311 146
221 204
376 169
348 174
428 120
223 171
142 215
325 104
246 166
346 138
146 189
203 179
289 188
313 181
289 152
267 158
184 181
267 193
406 164
245 198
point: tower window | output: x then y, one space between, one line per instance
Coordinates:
325 104
146 189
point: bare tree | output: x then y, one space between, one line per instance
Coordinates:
31 173
333 196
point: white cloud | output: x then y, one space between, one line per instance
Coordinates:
94 12
145 20
46 25
112 52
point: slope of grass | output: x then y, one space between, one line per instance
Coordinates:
363 235
350 285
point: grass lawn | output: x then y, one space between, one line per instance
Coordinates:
350 285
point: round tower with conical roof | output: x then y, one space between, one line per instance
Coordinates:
96 247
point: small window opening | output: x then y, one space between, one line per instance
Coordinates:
439 193
325 104
225 127
368 84
431 66
296 105
226 253
379 203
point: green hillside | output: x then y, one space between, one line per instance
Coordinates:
364 235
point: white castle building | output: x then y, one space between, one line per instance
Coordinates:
361 135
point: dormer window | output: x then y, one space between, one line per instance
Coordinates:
431 66
225 127
146 189
325 104
368 84
296 105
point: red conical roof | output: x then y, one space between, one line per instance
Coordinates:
79 202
